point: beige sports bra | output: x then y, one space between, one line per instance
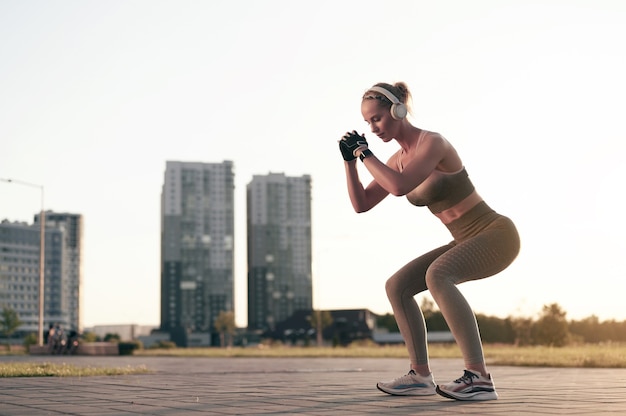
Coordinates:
441 190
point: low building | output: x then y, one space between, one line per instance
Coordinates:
347 325
384 337
126 332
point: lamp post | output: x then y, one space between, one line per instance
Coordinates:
42 258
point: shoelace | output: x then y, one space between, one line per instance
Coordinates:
404 377
466 378
407 375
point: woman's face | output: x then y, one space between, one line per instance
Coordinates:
379 119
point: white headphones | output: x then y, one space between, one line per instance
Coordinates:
398 109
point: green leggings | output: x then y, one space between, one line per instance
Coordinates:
485 243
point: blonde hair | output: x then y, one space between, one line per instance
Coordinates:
399 89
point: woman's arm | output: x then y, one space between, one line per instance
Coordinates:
418 167
363 199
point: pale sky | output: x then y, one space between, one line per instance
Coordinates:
95 97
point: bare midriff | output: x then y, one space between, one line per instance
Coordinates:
455 212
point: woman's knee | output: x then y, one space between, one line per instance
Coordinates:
391 287
402 288
437 280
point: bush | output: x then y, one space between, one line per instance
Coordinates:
112 338
30 339
90 337
363 343
127 348
167 345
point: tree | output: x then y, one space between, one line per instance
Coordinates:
90 337
552 327
432 316
9 323
592 330
388 322
495 330
320 320
30 339
225 324
589 330
111 337
522 327
428 307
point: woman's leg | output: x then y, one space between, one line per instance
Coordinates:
401 290
486 254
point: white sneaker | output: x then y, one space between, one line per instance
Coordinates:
471 386
411 384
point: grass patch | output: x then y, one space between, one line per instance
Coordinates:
585 356
13 351
589 355
64 370
611 355
280 352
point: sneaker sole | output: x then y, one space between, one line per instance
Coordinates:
478 396
408 392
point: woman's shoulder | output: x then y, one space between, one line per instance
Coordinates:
432 140
394 161
432 135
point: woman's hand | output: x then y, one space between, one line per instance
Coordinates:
351 145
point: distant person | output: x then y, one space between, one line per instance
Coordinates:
72 342
51 339
61 340
429 172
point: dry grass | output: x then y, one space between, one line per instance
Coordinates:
596 356
589 356
64 370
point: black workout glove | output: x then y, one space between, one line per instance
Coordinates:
347 154
350 143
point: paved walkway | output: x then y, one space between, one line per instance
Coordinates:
319 386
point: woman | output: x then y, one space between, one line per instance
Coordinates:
429 172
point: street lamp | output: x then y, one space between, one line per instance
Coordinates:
42 246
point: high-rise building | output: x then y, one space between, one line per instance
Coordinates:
197 247
65 291
279 248
19 271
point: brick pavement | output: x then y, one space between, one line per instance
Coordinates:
284 386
